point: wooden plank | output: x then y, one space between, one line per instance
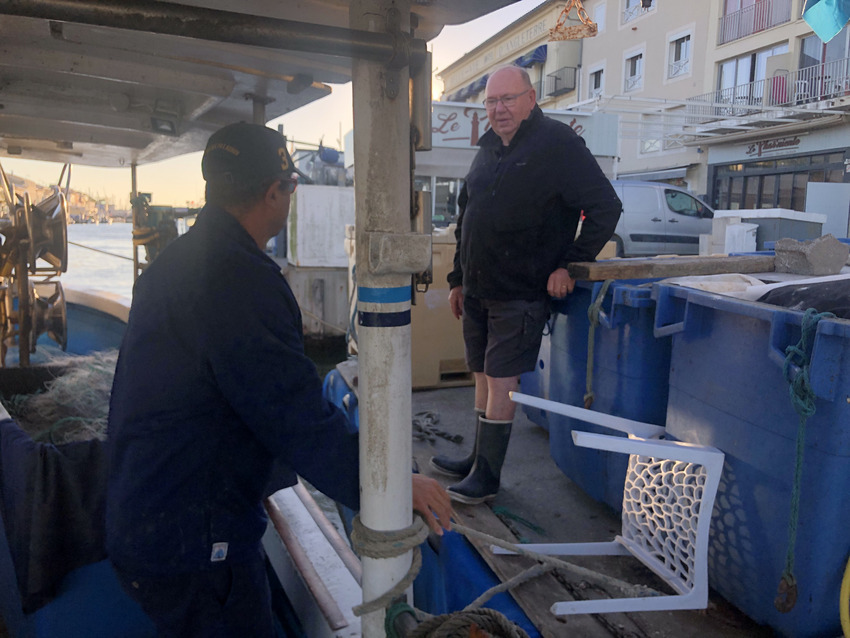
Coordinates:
534 597
660 267
324 599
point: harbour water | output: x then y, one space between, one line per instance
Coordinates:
100 257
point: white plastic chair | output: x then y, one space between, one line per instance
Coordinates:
801 91
667 504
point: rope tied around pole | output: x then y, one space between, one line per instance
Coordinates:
803 399
389 544
593 315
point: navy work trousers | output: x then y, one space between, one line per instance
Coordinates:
229 600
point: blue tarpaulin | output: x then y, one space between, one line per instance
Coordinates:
826 17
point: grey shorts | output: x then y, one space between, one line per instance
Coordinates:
502 338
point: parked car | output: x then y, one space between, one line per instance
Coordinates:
659 219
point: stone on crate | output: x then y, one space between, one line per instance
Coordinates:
822 256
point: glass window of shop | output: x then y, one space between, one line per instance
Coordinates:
446 191
777 183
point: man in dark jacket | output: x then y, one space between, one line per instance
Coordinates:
529 186
212 389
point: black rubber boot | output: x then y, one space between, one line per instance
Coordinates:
458 468
482 484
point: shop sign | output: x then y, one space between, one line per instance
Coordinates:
759 148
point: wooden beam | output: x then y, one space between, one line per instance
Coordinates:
324 599
660 267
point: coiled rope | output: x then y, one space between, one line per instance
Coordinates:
803 399
459 624
378 544
389 544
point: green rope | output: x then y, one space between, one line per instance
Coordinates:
505 513
803 400
593 316
393 612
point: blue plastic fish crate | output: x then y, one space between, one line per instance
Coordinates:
728 390
536 383
630 367
336 390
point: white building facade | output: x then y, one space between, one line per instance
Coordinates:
736 100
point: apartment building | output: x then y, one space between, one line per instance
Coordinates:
552 66
736 100
644 65
788 95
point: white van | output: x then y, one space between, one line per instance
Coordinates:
659 219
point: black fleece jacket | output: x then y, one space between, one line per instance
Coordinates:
520 209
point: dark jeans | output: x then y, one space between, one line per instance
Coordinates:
229 600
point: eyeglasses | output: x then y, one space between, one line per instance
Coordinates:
288 185
507 100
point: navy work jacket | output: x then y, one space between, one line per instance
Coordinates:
520 209
212 389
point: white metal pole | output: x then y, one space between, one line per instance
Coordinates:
382 177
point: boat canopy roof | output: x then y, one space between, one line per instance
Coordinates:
121 82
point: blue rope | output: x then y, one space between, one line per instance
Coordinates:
803 400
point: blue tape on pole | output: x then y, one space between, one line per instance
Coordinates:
383 319
399 294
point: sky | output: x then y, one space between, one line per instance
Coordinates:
178 182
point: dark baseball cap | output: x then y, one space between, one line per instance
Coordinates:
247 154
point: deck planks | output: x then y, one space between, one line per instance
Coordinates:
536 596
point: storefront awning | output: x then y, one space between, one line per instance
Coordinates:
537 56
649 176
471 89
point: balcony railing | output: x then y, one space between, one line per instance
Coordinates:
633 83
762 15
635 11
678 67
809 85
561 81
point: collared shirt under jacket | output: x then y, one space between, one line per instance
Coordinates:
520 209
213 389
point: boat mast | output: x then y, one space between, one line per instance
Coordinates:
385 249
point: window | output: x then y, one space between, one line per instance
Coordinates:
634 73
680 57
650 138
741 80
742 18
633 9
824 70
780 183
599 16
650 145
446 191
684 204
597 83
